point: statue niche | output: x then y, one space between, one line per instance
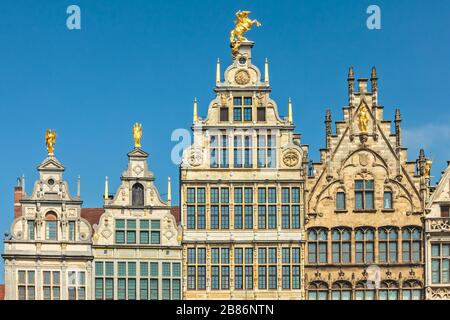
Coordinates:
137 197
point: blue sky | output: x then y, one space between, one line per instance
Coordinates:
146 60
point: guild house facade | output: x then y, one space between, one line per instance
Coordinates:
257 219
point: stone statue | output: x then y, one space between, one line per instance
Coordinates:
243 24
137 134
50 140
363 120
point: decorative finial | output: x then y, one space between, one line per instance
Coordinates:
137 134
218 71
78 187
351 74
169 191
328 126
106 195
195 118
50 141
397 115
290 110
266 71
23 184
243 24
374 74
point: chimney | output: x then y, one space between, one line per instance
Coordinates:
18 193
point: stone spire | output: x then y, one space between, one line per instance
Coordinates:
397 122
374 81
78 187
266 71
351 85
328 127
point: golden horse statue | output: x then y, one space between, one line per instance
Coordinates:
243 24
137 135
50 141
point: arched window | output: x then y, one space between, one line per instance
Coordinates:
51 226
318 290
412 290
317 246
138 195
341 290
341 243
362 292
364 245
387 199
388 290
340 200
411 241
387 244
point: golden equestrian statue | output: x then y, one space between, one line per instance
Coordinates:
363 120
137 134
50 141
243 24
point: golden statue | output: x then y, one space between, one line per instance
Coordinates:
50 140
427 168
363 120
243 24
137 134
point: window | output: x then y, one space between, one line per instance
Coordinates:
290 209
220 213
137 199
388 290
364 191
317 246
261 114
267 268
30 225
362 292
266 150
340 200
223 114
440 263
445 211
26 285
242 109
242 151
77 285
51 226
341 242
318 290
71 230
126 231
219 150
290 268
387 200
411 242
341 290
220 269
387 244
196 268
411 290
267 208
51 285
364 245
104 280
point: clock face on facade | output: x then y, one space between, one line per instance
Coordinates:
242 77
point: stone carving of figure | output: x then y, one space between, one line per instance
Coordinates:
363 120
